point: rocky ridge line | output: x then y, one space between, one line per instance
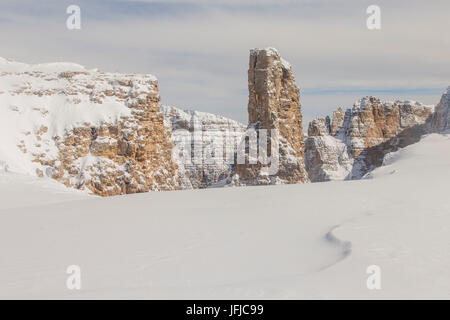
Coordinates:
355 141
274 104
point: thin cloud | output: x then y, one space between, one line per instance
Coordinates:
199 51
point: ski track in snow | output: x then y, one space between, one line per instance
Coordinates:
344 246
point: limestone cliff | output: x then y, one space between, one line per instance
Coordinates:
274 110
204 145
441 116
88 129
355 141
107 133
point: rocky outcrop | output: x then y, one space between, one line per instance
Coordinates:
224 152
205 145
355 141
107 133
441 116
90 130
275 118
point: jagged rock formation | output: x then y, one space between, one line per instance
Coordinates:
355 141
274 104
85 128
205 145
441 116
105 132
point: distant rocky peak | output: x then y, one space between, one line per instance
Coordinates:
91 130
441 117
355 141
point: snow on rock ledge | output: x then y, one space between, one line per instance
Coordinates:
441 117
355 141
202 140
88 129
274 104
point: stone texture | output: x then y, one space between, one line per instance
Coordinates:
319 127
131 156
338 121
357 140
120 142
441 116
205 145
274 103
122 148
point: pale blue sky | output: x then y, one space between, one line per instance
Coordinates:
198 49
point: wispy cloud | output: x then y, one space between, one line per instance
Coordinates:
199 49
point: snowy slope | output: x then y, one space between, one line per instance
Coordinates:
286 241
18 190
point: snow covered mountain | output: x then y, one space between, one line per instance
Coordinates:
202 140
238 242
355 141
106 133
275 117
441 117
87 129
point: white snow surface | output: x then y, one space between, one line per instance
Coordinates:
285 241
9 65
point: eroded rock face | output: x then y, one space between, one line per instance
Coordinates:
130 156
205 145
105 132
274 104
441 116
90 130
355 142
